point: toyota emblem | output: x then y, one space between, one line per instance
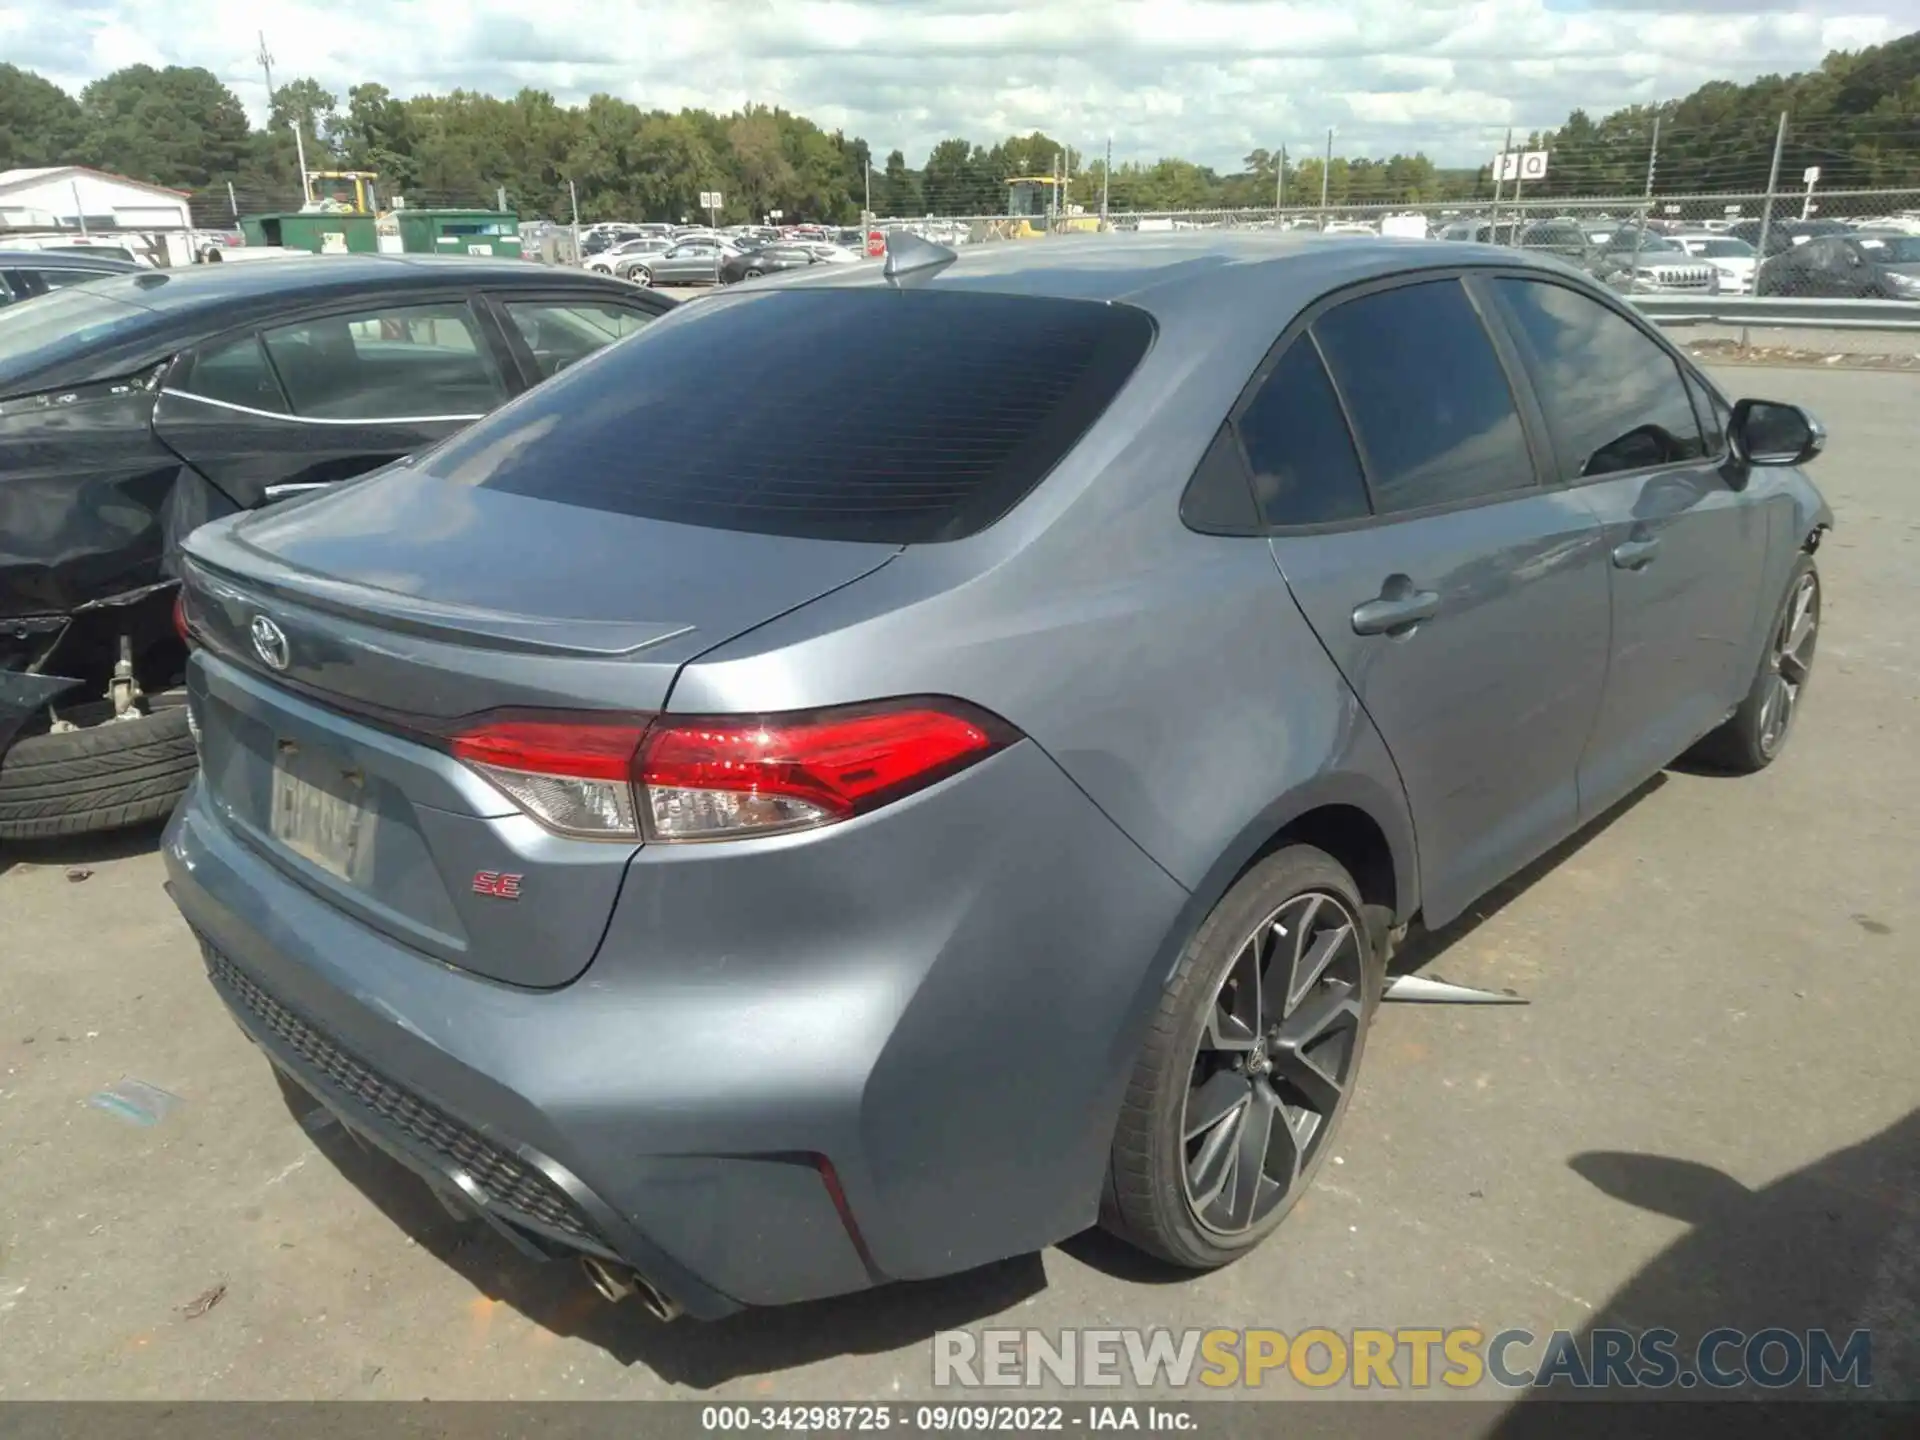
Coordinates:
269 642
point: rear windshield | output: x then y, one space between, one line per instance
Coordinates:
59 326
845 414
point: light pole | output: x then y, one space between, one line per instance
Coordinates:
299 145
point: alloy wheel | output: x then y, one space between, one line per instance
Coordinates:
1792 662
1273 1063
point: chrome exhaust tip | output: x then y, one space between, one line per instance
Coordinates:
615 1283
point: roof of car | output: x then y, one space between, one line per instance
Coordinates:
321 277
1159 272
77 259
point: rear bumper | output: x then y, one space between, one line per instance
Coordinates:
943 1000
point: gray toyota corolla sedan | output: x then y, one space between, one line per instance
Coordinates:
889 812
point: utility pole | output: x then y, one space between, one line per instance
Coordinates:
1106 178
1766 213
1640 230
573 199
299 144
1280 182
1326 174
1499 163
868 208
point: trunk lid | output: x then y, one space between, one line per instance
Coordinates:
401 602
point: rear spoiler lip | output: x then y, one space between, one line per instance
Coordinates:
466 625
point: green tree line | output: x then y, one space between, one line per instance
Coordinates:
1857 116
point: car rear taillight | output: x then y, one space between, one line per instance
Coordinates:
572 774
712 778
722 777
180 625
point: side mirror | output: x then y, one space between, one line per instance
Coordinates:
1770 432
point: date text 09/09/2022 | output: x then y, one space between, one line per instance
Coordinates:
944 1419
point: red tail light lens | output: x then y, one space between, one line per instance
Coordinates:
180 625
720 777
709 779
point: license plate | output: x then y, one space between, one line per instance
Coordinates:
319 811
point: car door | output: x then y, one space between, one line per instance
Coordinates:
1466 606
549 330
1686 547
316 400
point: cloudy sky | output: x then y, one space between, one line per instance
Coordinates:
1204 79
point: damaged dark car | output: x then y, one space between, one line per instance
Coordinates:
136 407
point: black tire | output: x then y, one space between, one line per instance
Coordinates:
1149 1196
103 777
755 274
1747 743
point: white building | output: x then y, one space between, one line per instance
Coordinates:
59 195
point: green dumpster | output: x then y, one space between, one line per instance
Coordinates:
314 230
459 232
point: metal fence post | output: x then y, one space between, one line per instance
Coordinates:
1493 219
1766 210
1640 230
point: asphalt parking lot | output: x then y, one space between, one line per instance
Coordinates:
1705 1116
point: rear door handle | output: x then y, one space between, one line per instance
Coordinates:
1390 613
1635 554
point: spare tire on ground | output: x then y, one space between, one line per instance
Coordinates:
99 777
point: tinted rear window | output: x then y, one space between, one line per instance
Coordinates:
847 414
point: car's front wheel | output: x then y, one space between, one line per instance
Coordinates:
1760 728
641 276
1249 1065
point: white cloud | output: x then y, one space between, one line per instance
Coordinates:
1203 79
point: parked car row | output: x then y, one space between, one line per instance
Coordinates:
1825 258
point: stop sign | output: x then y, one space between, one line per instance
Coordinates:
876 244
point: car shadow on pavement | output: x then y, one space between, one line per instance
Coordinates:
701 1355
1834 1246
79 851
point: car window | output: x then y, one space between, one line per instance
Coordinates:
1614 400
235 373
1891 249
415 361
920 415
1304 468
562 333
1427 395
59 279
